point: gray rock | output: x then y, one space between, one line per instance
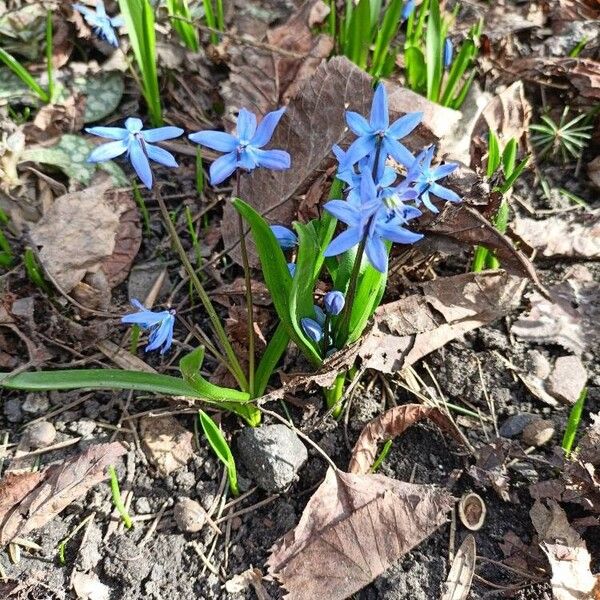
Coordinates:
36 404
567 379
189 515
513 426
142 506
40 435
273 455
12 410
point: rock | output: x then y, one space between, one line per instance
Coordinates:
189 515
537 364
538 432
567 379
167 443
40 435
514 425
36 404
273 454
142 506
12 410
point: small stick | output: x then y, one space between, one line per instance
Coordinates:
153 526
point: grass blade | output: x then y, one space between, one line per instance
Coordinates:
434 51
23 74
573 422
389 28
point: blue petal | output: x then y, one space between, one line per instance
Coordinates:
277 160
84 10
216 140
398 151
286 238
222 168
393 232
246 125
408 9
247 159
320 315
388 177
133 125
100 9
444 193
117 21
343 242
161 133
344 211
160 335
368 190
107 151
359 148
404 125
292 269
377 253
334 302
442 171
265 130
108 33
312 329
380 117
426 199
448 52
112 133
140 163
160 156
357 123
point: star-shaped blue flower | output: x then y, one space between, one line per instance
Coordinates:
137 143
102 25
160 325
379 131
425 179
244 149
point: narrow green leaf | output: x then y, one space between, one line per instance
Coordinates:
186 31
23 74
493 161
459 66
514 175
573 422
434 51
416 70
360 34
458 101
509 157
276 346
209 15
385 35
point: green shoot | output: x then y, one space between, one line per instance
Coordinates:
116 496
211 21
199 171
186 31
220 447
139 20
576 50
573 422
382 456
23 74
573 197
6 253
49 52
195 241
62 545
33 270
139 199
135 338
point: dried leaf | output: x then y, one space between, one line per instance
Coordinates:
31 500
459 579
567 553
242 581
389 425
88 586
443 309
558 236
567 11
168 444
490 466
352 529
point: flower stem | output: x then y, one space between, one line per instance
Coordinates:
232 362
248 281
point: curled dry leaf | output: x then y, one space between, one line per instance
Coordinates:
442 310
567 553
30 500
389 425
459 579
242 581
352 529
557 236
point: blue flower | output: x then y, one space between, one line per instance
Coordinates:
408 9
312 329
286 238
379 131
448 52
136 143
244 150
371 222
102 25
160 325
334 302
292 269
425 179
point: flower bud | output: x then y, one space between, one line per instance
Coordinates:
312 329
292 269
286 238
448 52
334 302
319 315
408 9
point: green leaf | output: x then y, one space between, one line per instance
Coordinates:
434 51
220 447
385 35
416 71
458 101
360 34
23 74
493 161
103 92
273 352
514 175
573 422
459 66
509 157
186 31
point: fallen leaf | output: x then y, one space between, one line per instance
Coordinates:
458 583
566 552
442 310
53 120
88 586
389 425
567 379
489 469
567 11
30 500
352 529
167 443
242 581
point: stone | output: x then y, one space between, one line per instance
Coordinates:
272 454
189 515
36 404
514 425
166 442
40 435
567 379
538 432
12 410
142 506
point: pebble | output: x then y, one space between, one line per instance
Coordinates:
189 515
12 410
142 506
567 379
538 365
538 432
272 454
40 435
36 404
515 424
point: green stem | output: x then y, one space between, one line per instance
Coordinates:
233 364
116 495
334 394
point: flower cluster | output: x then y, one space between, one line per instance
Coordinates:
102 25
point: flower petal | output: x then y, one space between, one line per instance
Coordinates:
140 163
160 335
393 232
160 134
112 133
368 190
133 124
160 155
388 177
286 238
106 31
357 123
426 200
398 151
442 171
246 125
247 159
343 242
359 148
312 329
107 151
277 160
344 211
216 140
222 168
117 21
377 253
100 9
265 130
404 125
444 193
380 116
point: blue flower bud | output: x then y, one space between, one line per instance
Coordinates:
448 52
312 329
319 315
286 238
408 9
334 302
292 269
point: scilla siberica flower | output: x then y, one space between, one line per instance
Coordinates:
425 179
378 133
313 328
334 302
136 142
408 9
244 149
286 238
448 52
102 25
160 325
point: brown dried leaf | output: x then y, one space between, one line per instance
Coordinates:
31 500
558 236
168 444
567 553
352 529
459 579
53 120
490 466
389 425
567 11
443 309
